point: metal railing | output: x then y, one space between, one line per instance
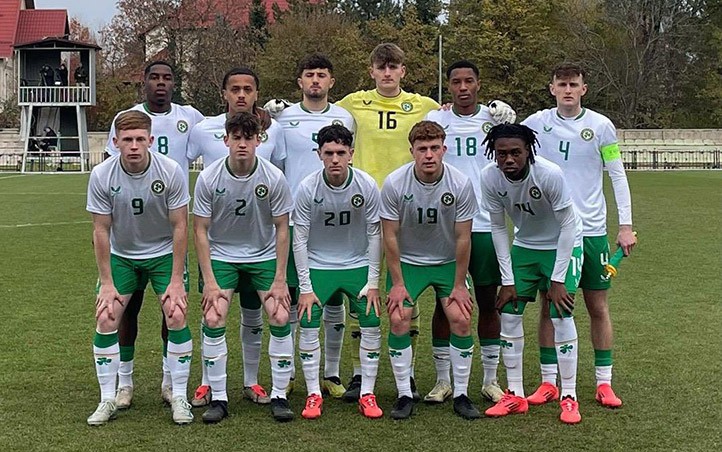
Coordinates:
671 159
54 95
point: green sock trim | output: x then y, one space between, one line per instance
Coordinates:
461 342
484 342
105 340
602 357
280 331
179 336
214 332
548 355
399 342
439 342
127 352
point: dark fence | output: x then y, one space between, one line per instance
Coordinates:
669 159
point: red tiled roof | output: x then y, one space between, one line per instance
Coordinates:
38 24
236 12
9 11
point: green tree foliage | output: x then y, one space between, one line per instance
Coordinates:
428 10
643 56
419 43
306 30
362 11
514 43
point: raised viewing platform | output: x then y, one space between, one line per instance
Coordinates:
55 96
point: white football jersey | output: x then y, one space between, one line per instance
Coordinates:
241 210
427 213
171 131
337 218
207 142
138 204
531 203
580 146
464 151
300 128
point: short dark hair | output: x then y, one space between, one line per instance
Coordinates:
314 61
152 64
426 131
507 130
247 124
462 64
335 133
568 69
387 53
241 71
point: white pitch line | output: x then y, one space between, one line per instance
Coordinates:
9 193
10 177
30 225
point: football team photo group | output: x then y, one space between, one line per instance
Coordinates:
325 222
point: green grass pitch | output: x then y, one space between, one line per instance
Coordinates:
665 306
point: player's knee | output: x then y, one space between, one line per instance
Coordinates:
213 319
398 324
177 322
279 318
104 323
459 325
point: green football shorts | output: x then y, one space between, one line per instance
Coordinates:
419 277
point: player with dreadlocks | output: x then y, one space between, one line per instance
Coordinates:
546 256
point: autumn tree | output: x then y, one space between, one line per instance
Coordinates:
306 30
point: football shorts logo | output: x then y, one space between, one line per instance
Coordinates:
263 136
486 127
182 126
261 191
407 106
587 134
219 135
535 193
357 200
447 199
547 129
337 122
157 187
114 190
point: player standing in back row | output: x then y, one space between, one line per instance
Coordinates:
583 143
171 127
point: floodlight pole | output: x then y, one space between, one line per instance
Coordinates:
441 53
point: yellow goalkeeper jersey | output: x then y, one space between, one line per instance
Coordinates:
382 128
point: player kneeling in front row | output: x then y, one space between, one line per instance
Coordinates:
139 204
426 211
241 213
546 256
337 246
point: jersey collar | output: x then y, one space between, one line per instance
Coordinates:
325 110
152 113
577 117
433 184
150 157
478 109
253 170
349 179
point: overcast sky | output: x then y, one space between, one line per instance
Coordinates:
93 13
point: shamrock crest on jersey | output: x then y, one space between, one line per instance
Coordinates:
261 191
357 200
587 134
447 199
157 187
486 127
535 193
182 126
407 106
